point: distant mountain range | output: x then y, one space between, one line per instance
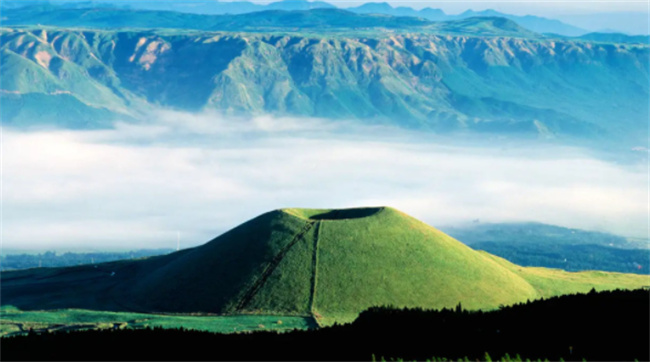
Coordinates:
534 23
616 38
92 15
270 20
535 244
531 22
477 74
611 22
316 20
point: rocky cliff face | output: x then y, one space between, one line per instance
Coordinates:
429 81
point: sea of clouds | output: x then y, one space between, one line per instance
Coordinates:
137 186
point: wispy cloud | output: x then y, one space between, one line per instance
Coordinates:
135 186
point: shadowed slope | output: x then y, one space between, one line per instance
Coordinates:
223 275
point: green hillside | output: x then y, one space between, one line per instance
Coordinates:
329 264
56 78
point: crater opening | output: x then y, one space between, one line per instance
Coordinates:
335 214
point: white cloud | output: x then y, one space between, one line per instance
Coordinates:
136 186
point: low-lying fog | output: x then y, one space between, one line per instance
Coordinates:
138 186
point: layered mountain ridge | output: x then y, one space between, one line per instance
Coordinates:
440 82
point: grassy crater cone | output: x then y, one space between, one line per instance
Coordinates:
329 264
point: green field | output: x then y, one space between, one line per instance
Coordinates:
325 264
14 321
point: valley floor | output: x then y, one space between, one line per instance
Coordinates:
16 322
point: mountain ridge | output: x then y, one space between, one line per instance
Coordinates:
534 23
443 82
322 20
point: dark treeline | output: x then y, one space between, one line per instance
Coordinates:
51 259
610 326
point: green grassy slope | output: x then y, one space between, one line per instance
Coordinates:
406 264
330 264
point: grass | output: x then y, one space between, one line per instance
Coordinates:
13 320
323 265
408 264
